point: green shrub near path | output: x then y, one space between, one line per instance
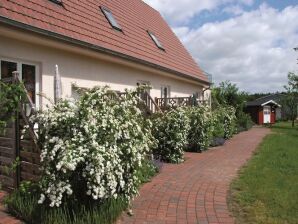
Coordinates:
171 131
201 128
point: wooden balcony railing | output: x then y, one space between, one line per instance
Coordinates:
149 102
173 102
146 102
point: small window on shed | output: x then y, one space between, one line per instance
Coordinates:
155 40
109 15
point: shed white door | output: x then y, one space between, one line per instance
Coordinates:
267 114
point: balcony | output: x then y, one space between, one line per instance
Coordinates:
174 102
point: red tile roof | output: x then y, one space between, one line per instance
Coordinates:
83 21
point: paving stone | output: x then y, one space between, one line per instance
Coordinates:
196 190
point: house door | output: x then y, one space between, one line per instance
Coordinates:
28 73
267 114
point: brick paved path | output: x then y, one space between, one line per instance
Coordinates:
195 192
192 192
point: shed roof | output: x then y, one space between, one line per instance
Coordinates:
270 99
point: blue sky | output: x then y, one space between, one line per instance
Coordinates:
219 15
249 42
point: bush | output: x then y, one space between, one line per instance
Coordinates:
171 130
23 203
244 122
92 149
146 171
224 122
201 128
10 97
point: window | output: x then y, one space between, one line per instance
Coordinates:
77 92
108 14
7 68
165 92
144 83
28 73
267 110
143 95
59 2
29 79
155 40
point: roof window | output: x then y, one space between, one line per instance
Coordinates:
155 40
59 2
109 15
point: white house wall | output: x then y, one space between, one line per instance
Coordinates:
85 71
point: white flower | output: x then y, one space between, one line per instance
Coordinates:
107 142
42 199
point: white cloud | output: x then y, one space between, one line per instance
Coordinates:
234 10
181 11
253 50
247 2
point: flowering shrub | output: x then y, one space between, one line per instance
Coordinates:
201 128
224 122
92 147
171 131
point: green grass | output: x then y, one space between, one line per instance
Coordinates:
267 189
22 204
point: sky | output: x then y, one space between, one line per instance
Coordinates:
248 42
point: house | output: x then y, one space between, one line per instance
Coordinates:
265 110
120 43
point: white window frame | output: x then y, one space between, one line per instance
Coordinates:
19 69
162 91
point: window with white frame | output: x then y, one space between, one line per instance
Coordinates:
143 95
28 73
165 91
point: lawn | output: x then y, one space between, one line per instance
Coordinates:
266 190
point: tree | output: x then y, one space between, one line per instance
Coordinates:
290 101
228 94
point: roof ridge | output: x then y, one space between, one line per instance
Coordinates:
149 6
274 94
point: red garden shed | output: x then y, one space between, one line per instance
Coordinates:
262 110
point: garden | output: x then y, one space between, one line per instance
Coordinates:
96 152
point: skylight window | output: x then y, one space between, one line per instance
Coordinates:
155 40
59 2
109 15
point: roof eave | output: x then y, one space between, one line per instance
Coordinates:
270 101
66 39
